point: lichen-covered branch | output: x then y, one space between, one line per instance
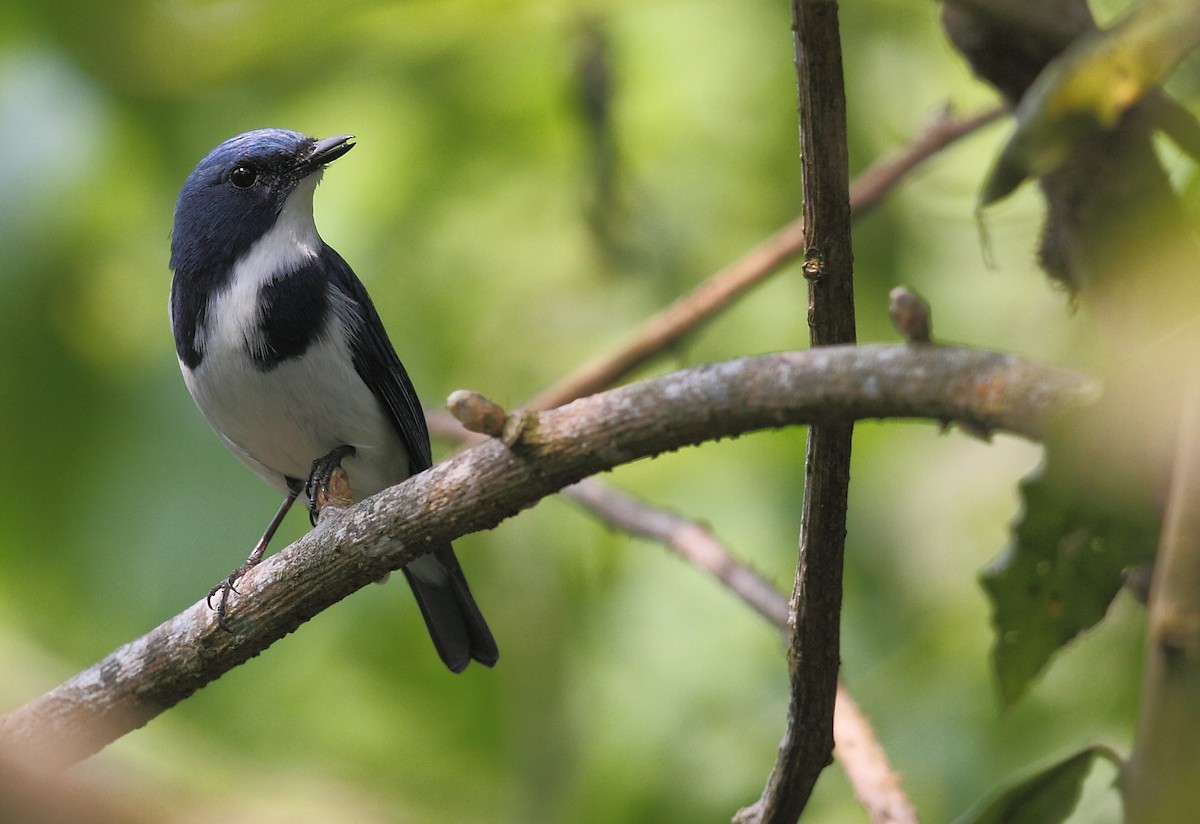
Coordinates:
482 486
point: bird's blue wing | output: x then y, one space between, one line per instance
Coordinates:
456 625
377 364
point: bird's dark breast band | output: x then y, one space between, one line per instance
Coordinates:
294 310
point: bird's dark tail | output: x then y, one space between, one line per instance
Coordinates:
455 623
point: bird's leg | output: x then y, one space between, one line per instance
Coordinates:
227 586
324 484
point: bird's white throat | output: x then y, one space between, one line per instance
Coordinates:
293 240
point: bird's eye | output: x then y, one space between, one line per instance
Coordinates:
243 177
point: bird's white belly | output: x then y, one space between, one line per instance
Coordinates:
280 421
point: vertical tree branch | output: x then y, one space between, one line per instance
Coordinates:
670 325
1161 782
813 648
875 783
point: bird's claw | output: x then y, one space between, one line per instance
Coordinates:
327 482
225 587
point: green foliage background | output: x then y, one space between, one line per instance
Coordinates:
630 688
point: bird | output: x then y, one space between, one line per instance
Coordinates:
287 359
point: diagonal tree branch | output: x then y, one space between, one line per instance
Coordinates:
856 748
481 487
877 180
692 310
875 783
687 539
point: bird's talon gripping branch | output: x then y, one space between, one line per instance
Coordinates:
327 482
213 592
225 587
336 492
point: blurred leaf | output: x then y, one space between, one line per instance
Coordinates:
1047 797
1072 542
1090 86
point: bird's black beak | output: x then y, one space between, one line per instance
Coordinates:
326 151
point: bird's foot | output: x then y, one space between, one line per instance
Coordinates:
224 588
256 554
328 483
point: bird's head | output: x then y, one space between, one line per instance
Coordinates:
237 193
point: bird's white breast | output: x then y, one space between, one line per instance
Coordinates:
278 421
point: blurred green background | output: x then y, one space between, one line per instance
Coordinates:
506 235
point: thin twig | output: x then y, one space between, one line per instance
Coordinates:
875 783
688 539
877 180
481 487
669 326
1161 781
690 311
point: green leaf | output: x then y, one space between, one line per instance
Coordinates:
1090 86
1046 797
1083 522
